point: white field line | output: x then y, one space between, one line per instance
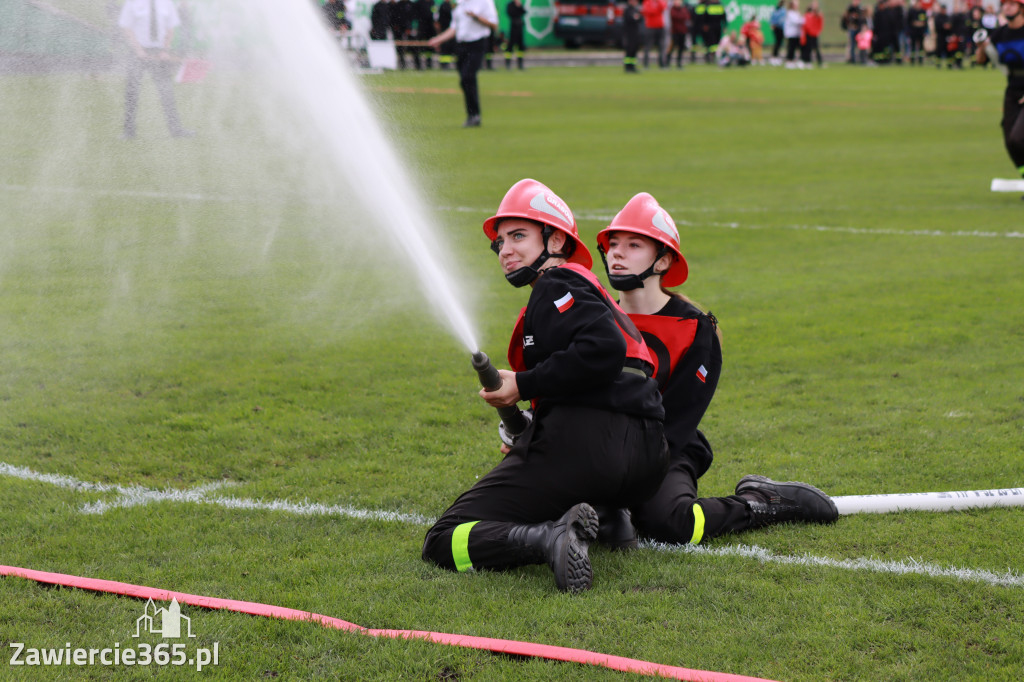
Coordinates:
599 216
911 566
136 495
132 496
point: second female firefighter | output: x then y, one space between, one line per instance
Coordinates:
642 257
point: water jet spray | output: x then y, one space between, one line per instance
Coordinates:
513 420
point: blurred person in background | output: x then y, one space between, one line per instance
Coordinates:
148 27
632 26
852 22
753 37
472 24
516 46
425 29
732 52
654 30
793 29
917 29
334 15
814 22
679 18
777 21
712 28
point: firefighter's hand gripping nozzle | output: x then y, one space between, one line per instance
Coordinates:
513 420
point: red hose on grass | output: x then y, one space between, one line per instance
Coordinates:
504 646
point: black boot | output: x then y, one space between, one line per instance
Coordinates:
616 528
563 545
771 502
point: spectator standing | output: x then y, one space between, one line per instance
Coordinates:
943 31
694 29
679 18
444 22
400 17
917 29
516 46
958 37
472 23
334 14
793 29
777 21
814 22
715 22
974 18
865 39
852 22
753 36
654 30
380 20
148 27
632 25
425 29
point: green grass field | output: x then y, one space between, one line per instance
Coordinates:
209 312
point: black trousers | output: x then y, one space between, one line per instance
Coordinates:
676 515
569 455
469 57
810 49
1013 123
654 37
163 75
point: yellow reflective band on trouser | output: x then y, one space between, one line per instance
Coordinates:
1021 169
460 546
698 525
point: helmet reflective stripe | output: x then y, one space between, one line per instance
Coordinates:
460 546
663 222
547 204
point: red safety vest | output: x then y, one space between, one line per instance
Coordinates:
668 338
636 348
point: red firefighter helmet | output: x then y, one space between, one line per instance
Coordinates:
642 215
532 200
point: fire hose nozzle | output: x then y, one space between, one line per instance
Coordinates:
513 420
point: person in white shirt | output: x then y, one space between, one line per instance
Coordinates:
791 29
148 27
472 23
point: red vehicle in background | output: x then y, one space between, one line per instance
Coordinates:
589 22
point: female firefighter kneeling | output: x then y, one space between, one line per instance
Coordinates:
596 437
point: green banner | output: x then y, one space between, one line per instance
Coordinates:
738 13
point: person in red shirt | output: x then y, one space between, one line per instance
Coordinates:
654 25
679 16
814 22
753 36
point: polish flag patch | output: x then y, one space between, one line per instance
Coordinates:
702 374
565 302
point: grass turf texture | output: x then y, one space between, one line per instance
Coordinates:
870 348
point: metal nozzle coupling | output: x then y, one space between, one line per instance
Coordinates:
513 420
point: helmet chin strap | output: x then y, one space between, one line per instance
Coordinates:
528 273
630 282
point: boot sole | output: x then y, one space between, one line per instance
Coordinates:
573 572
754 483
